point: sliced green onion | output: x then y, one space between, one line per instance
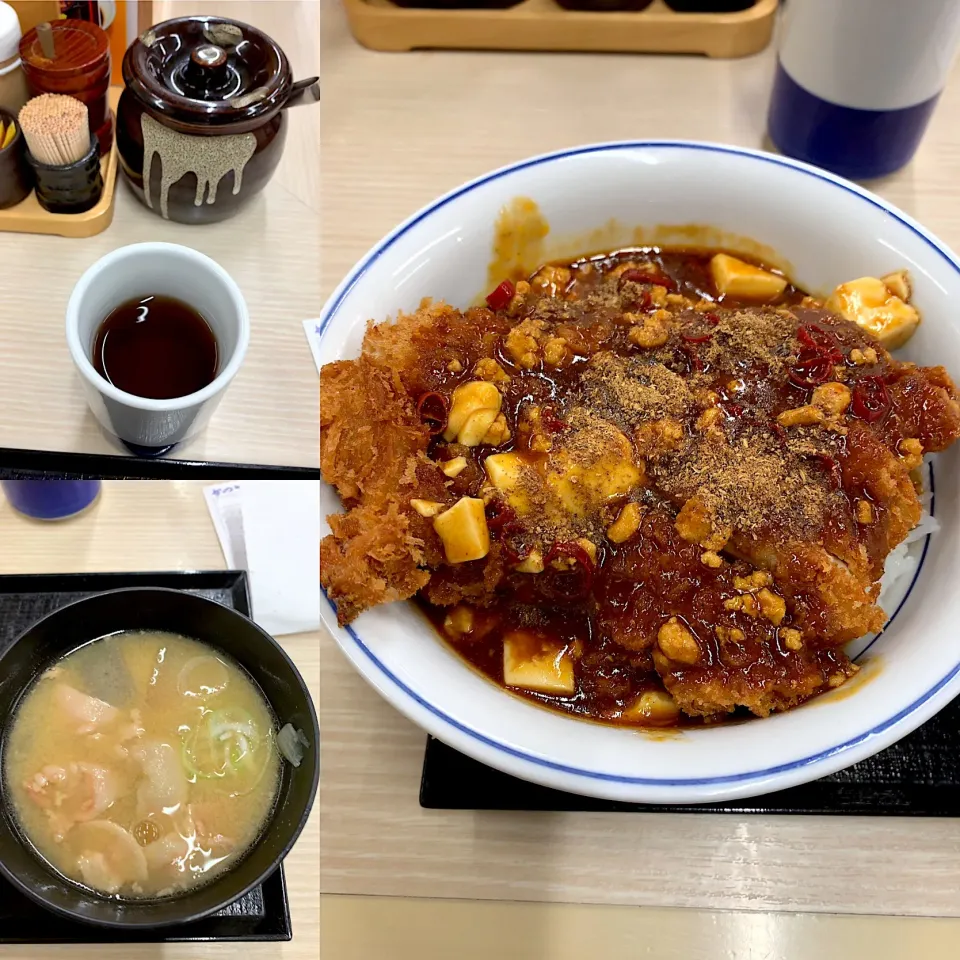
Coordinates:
224 741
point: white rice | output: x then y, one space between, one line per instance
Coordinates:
902 561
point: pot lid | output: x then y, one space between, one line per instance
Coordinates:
78 44
208 71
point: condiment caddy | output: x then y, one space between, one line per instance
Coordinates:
58 170
661 26
28 216
202 112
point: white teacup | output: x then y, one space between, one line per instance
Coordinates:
165 269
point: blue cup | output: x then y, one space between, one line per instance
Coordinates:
51 499
858 80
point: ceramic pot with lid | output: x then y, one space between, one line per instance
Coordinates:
200 124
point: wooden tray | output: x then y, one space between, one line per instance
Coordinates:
29 217
542 25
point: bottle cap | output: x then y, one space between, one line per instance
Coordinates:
9 35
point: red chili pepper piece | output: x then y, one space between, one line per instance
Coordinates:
633 275
691 338
573 550
831 465
662 280
432 409
713 318
819 341
511 530
806 338
500 298
643 302
731 409
500 515
871 399
693 358
811 370
550 420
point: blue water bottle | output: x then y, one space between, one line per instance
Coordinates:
858 80
51 499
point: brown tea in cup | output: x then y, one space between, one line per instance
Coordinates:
156 347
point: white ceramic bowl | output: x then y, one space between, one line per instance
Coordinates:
826 230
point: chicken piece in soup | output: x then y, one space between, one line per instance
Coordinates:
142 764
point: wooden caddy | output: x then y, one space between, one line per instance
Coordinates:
29 217
542 25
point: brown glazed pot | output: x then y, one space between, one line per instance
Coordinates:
203 102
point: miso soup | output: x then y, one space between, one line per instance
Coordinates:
142 764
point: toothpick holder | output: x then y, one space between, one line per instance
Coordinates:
74 188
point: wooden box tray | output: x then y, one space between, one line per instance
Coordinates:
29 217
543 25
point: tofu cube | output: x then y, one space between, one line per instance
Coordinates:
652 708
463 531
532 661
626 524
505 471
453 468
735 278
473 409
531 563
899 284
426 508
871 304
581 488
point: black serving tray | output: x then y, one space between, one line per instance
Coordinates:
263 913
918 776
16 464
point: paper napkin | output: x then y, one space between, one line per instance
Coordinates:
271 528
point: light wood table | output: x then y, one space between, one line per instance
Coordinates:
162 525
269 413
399 130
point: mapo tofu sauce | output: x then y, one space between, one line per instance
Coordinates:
591 630
644 487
